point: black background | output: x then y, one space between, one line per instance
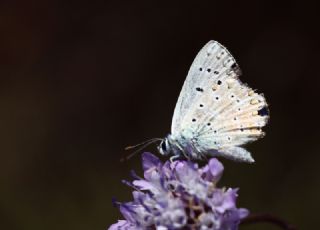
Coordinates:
80 80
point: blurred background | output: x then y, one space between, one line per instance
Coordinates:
81 80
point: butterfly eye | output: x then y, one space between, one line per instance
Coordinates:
164 146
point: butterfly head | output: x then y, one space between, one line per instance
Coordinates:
165 147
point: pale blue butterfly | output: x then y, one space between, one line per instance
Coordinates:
216 113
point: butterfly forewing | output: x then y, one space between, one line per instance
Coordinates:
204 71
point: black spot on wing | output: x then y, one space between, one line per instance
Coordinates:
263 112
234 65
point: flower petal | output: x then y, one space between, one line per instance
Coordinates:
149 161
123 225
143 185
213 171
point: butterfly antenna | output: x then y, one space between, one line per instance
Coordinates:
143 145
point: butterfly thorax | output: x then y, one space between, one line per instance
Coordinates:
181 146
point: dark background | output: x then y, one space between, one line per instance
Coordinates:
80 80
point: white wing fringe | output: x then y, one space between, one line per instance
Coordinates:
235 153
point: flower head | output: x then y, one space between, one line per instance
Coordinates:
180 195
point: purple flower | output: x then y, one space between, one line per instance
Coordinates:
180 195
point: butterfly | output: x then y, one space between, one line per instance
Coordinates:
215 113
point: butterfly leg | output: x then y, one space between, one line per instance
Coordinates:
174 157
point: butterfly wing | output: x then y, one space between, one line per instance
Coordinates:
200 75
215 109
